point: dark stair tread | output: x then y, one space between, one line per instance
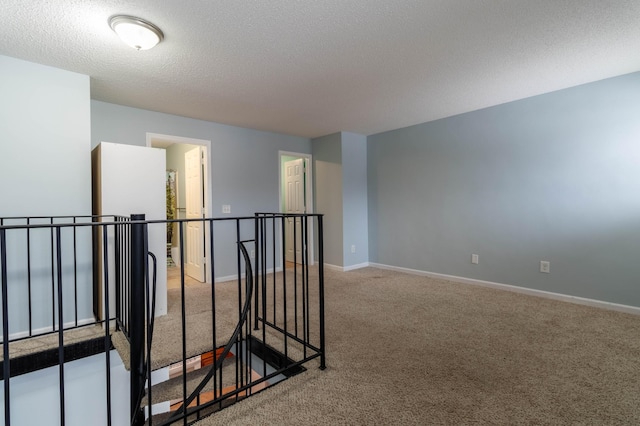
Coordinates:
172 389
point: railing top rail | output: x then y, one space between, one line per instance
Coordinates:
155 221
289 214
61 225
200 219
220 219
58 217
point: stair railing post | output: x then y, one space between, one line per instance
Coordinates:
323 357
257 253
6 365
137 320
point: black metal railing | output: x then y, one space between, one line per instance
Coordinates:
278 320
265 311
296 251
53 258
32 248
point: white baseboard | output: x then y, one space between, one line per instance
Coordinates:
333 267
346 268
533 292
354 267
235 276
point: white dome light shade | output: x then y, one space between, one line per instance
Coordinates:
136 32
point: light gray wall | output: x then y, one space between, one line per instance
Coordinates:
554 177
244 163
340 162
85 384
45 169
354 199
45 166
327 175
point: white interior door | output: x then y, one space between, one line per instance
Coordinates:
194 199
294 203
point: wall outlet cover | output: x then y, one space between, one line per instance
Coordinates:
545 266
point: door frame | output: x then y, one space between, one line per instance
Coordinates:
162 141
308 160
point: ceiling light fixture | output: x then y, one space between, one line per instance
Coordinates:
136 32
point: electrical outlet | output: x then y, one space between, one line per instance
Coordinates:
545 266
474 259
226 208
353 249
253 254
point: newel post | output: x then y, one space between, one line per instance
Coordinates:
137 314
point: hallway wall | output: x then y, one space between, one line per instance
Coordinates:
554 177
244 162
45 170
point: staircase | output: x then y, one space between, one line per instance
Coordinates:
222 389
225 342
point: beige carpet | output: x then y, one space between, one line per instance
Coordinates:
404 349
167 342
167 336
50 341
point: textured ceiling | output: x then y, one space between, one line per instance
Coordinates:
314 67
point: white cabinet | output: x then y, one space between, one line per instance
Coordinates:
130 180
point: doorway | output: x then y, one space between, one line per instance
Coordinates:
296 196
188 162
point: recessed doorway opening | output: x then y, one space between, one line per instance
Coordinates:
188 197
296 196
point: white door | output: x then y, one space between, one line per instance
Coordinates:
194 199
294 203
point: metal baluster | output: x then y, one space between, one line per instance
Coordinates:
107 337
5 330
29 277
284 285
184 329
323 364
60 325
